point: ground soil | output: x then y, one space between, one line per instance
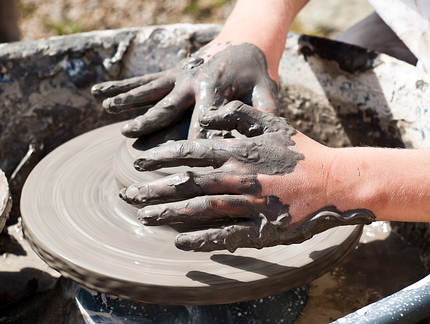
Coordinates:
41 18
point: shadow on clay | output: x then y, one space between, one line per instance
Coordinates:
250 264
209 279
314 255
179 131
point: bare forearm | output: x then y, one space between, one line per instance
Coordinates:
393 183
264 23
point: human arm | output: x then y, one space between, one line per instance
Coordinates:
262 23
240 63
393 183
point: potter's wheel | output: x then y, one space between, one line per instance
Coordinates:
76 222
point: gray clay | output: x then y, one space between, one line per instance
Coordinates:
5 200
231 193
238 72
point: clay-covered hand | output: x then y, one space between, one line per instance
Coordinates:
267 188
203 80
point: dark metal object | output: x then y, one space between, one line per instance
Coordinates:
350 58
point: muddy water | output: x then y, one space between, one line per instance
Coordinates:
382 264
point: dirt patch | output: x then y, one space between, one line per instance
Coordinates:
40 18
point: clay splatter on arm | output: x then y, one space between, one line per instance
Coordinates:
232 193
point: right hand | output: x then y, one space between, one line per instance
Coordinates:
268 187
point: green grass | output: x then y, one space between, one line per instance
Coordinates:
26 8
63 27
192 8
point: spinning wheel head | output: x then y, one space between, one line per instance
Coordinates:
77 223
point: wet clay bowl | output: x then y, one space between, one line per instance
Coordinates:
77 223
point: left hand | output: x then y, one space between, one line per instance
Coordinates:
268 188
211 77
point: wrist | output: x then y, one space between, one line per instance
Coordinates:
263 23
392 183
220 43
348 185
363 178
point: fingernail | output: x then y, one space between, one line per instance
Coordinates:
95 90
112 105
148 215
107 103
147 164
109 106
122 193
131 129
129 194
139 164
204 121
183 242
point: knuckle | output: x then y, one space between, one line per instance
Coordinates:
183 149
212 203
185 177
234 105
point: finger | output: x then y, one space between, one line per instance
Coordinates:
112 88
144 95
205 99
245 119
188 185
203 209
209 95
164 113
264 99
229 238
195 130
197 152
